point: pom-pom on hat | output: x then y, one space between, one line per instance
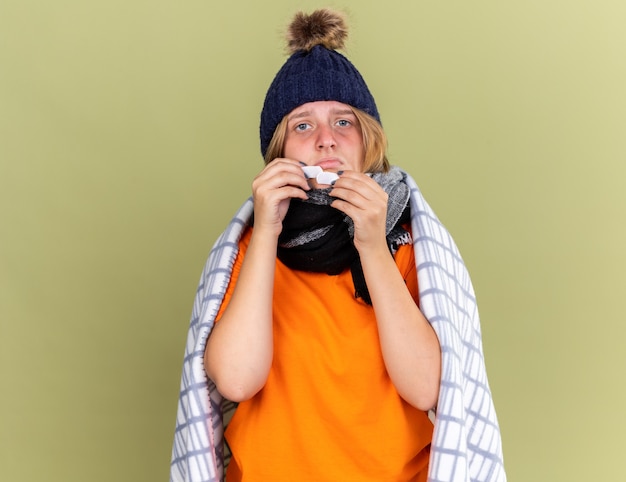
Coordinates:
314 71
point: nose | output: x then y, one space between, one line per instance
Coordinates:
325 137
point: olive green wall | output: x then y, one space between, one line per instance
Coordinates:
128 136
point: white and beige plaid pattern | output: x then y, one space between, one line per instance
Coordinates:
466 444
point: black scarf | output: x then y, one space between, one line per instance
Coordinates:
319 238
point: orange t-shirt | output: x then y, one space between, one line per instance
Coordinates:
328 411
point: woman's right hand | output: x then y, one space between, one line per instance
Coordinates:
240 348
272 190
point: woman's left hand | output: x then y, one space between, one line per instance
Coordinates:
409 345
362 198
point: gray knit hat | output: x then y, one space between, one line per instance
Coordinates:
314 71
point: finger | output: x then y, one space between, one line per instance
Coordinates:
285 163
359 194
359 182
282 172
366 213
273 181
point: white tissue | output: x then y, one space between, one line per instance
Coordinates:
321 176
311 171
326 177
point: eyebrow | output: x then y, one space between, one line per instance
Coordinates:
299 115
307 113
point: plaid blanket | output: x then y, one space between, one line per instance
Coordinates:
466 443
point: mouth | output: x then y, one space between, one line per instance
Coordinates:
329 163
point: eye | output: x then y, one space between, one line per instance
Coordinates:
344 123
301 127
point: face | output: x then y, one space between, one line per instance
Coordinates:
325 134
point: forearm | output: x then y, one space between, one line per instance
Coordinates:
239 350
409 345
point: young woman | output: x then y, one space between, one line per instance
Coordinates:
315 330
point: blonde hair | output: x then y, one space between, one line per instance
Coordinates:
374 142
